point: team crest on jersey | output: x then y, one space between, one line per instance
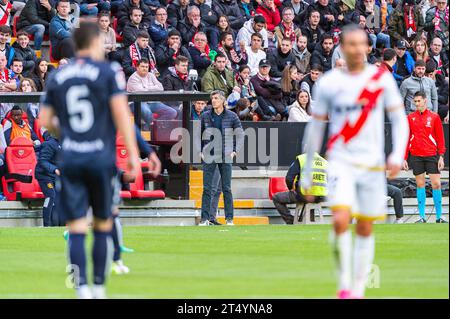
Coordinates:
428 122
123 152
21 152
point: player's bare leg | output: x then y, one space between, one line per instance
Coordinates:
102 252
421 196
363 255
341 239
77 257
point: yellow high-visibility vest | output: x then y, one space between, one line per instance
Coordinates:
319 175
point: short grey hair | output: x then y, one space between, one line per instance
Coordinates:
190 9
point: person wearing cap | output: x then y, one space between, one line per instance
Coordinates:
418 82
441 86
406 22
405 62
166 53
218 77
268 91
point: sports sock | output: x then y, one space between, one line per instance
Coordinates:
77 258
116 235
342 248
421 198
437 199
364 252
102 256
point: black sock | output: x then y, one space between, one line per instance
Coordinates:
77 255
116 235
101 256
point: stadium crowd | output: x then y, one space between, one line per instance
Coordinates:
264 55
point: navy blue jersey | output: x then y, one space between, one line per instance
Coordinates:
80 95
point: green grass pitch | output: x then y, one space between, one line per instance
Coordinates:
230 262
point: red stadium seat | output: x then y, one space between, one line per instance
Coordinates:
137 190
119 38
21 159
37 129
52 60
276 185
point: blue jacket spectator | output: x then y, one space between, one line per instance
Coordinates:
159 29
409 64
61 26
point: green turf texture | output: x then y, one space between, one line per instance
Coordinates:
274 261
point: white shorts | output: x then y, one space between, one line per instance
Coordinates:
361 190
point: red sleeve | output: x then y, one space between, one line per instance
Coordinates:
409 139
439 135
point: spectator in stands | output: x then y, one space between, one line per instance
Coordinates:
406 22
396 194
17 127
109 36
7 82
245 110
287 28
323 53
310 79
299 7
255 25
219 118
389 59
271 13
420 50
5 12
138 50
219 77
327 12
441 86
35 20
230 9
257 104
27 85
347 13
247 9
166 53
200 53
312 30
290 84
144 81
178 76
45 173
419 82
436 22
439 57
268 91
302 56
300 110
88 8
133 27
17 71
197 110
255 53
226 47
296 194
209 16
60 30
39 74
159 29
222 25
281 57
190 25
5 48
177 11
372 25
23 51
405 62
123 15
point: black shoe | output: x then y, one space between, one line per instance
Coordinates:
441 221
421 221
215 222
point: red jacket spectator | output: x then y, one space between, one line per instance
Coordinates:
271 13
426 135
